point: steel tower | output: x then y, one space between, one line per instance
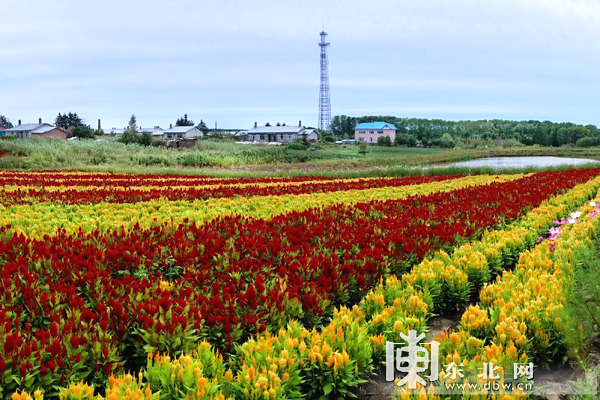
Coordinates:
324 100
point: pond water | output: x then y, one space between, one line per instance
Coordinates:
519 162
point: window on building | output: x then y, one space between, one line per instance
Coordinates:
371 139
371 131
361 132
262 137
380 131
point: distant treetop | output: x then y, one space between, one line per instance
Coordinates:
184 121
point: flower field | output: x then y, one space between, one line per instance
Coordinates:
272 287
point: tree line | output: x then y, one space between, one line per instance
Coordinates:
438 132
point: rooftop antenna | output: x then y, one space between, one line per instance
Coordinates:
324 100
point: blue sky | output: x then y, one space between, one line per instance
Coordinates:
238 62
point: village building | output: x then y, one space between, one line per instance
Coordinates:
49 131
182 132
281 134
41 130
371 131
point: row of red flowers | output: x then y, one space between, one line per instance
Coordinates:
73 178
83 306
134 195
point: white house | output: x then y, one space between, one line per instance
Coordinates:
27 131
182 132
276 133
157 131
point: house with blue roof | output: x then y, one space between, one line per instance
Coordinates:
370 131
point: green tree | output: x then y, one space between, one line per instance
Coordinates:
68 120
145 139
184 121
132 126
362 148
202 127
403 139
446 141
82 132
384 141
267 124
304 139
128 137
5 122
343 126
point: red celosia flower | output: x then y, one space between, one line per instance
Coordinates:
54 329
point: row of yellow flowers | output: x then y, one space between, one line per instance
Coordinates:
46 218
147 188
520 315
336 359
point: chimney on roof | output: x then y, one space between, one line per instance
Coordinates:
170 125
99 126
256 125
19 122
299 124
40 120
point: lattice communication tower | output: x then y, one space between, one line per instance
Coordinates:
324 100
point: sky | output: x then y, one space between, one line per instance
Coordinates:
237 62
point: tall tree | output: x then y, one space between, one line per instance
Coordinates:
343 126
68 120
132 126
184 121
202 127
5 122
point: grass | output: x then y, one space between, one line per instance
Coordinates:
225 158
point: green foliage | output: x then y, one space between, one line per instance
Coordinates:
5 122
8 137
202 127
132 126
405 139
186 376
588 141
362 148
132 137
151 159
446 141
295 146
128 137
430 132
184 121
68 120
583 305
145 139
343 126
304 140
384 141
195 160
82 132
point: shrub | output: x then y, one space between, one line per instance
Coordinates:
588 142
404 139
295 146
384 141
82 132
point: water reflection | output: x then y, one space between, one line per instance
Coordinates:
519 162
